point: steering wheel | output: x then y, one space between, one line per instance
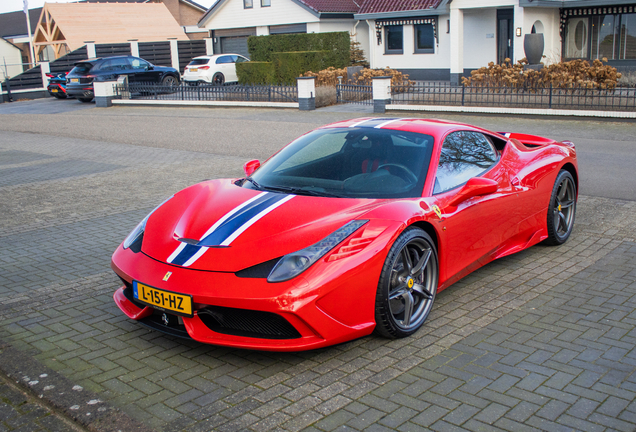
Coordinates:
408 174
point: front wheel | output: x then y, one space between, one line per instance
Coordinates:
170 81
408 285
562 209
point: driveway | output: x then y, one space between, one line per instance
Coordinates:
540 340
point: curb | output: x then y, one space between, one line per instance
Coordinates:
59 393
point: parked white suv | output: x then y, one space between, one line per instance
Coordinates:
215 69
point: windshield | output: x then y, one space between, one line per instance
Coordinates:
199 61
349 162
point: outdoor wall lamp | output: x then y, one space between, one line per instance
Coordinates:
518 31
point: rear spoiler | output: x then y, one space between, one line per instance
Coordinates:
529 140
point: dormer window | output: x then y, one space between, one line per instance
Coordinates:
248 4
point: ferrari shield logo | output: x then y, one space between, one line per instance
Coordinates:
437 211
167 276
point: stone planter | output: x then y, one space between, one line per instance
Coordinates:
533 47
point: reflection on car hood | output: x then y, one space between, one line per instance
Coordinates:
219 226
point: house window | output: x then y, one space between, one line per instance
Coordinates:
612 36
266 3
424 38
393 37
248 4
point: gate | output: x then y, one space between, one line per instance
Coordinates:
354 94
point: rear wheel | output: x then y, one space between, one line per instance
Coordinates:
408 285
562 209
218 79
85 100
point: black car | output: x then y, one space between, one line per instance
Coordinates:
79 81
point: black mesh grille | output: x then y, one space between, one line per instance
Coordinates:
248 323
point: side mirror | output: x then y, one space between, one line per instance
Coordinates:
150 67
251 166
476 186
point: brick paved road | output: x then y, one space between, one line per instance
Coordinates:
541 340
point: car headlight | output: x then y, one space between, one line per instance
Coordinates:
136 233
293 264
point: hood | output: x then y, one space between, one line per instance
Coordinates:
219 226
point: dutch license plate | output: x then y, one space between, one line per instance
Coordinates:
194 69
75 80
53 90
179 304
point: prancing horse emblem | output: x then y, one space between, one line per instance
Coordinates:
167 276
165 319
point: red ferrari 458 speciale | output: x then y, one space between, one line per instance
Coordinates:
352 228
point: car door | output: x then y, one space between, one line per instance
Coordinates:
475 227
142 71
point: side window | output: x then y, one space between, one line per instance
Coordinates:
464 155
139 64
106 66
119 64
241 59
224 59
393 36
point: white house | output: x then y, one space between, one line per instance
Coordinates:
231 22
440 39
10 60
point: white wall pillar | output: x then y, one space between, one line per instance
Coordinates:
44 69
90 49
381 93
372 44
134 47
209 46
456 45
174 53
306 93
518 41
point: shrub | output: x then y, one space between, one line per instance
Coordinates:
366 76
290 65
575 73
336 46
327 77
255 72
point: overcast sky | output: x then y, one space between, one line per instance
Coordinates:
14 5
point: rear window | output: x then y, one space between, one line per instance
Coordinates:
198 62
82 68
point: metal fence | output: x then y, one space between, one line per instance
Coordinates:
577 98
207 92
353 93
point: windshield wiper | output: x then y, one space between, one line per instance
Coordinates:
302 191
254 182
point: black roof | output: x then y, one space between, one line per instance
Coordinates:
14 23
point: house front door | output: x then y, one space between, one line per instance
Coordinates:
505 33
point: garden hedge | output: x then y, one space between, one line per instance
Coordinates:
335 45
290 65
255 72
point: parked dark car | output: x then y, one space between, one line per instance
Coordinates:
79 81
57 85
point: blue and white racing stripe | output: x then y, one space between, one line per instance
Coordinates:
375 123
229 227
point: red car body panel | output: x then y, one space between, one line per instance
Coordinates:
334 300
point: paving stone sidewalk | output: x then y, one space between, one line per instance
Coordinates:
541 340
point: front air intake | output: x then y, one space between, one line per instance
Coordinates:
248 323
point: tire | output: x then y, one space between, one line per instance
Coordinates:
85 100
562 209
403 281
218 79
58 96
170 81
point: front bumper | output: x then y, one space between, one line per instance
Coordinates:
328 304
